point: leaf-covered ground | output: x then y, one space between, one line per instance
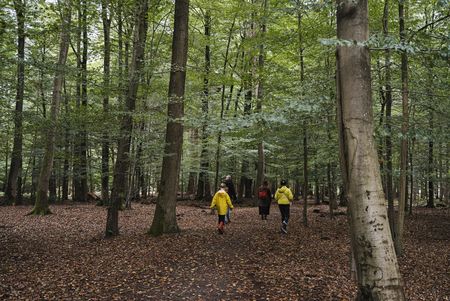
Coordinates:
64 256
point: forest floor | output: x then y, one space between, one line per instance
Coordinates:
64 256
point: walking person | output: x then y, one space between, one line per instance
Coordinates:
265 198
222 202
284 196
232 193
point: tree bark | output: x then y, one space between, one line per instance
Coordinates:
388 126
305 176
106 19
376 263
404 140
13 193
260 98
204 188
165 220
41 204
122 165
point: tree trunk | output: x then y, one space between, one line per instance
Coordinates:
376 263
222 108
259 100
430 167
388 95
165 220
65 175
83 146
79 168
13 189
121 168
106 19
305 176
404 140
203 188
41 204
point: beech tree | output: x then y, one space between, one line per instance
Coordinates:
41 204
13 189
121 168
164 220
377 270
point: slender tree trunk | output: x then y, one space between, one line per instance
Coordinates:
106 19
121 168
430 167
404 141
84 99
260 98
222 108
376 263
164 220
204 188
65 176
388 94
41 204
305 176
80 172
13 189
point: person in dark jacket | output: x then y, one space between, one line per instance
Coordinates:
232 193
264 197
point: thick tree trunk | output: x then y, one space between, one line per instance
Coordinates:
106 19
404 140
41 204
376 263
121 168
165 220
13 189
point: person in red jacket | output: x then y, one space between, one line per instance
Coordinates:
264 197
222 202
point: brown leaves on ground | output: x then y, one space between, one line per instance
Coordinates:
64 256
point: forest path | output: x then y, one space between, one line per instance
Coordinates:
64 256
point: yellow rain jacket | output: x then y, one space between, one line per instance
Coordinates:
222 201
284 196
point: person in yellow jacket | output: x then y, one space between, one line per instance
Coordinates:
284 197
221 201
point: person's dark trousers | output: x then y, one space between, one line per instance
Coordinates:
284 210
221 218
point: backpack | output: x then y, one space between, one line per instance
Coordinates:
262 194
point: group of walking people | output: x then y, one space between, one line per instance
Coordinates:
226 195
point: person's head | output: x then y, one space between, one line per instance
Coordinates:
227 177
223 186
265 183
283 183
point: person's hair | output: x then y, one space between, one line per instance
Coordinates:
227 177
283 182
265 183
223 185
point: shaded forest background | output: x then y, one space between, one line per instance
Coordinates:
225 120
